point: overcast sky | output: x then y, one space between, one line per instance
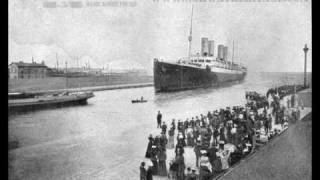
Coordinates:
268 36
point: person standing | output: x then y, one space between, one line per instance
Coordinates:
170 144
149 148
181 165
159 118
164 128
149 175
143 171
193 175
215 136
188 174
154 161
197 149
162 156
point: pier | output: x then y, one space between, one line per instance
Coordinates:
280 151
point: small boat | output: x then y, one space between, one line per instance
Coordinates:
18 102
138 101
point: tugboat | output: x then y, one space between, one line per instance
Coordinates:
29 101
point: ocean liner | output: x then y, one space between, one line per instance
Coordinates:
197 71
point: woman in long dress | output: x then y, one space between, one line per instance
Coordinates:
149 148
153 158
162 156
190 140
170 144
181 165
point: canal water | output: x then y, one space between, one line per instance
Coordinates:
107 138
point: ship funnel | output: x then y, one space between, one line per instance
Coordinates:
204 47
220 51
225 53
211 48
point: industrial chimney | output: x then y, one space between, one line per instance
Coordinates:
211 48
204 47
220 51
225 53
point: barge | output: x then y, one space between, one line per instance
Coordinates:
23 101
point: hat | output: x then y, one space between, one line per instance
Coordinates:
204 159
203 151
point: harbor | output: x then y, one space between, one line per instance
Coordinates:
110 134
159 90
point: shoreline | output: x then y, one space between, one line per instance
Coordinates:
93 88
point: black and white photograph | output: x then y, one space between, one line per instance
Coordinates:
159 90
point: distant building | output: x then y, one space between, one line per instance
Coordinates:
21 70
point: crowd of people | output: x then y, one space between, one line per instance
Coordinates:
285 90
219 139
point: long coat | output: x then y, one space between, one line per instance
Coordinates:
143 173
149 148
149 174
162 168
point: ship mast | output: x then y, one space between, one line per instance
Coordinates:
232 50
190 35
57 61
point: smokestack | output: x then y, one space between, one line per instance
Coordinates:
225 53
211 48
204 47
220 51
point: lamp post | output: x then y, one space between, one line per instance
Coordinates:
305 49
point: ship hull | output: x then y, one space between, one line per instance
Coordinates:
174 77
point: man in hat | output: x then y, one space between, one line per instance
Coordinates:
205 169
173 124
159 118
197 149
154 160
255 144
193 175
215 136
149 175
188 174
181 165
164 128
149 147
162 168
173 169
143 171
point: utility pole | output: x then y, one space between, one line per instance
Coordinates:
305 49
